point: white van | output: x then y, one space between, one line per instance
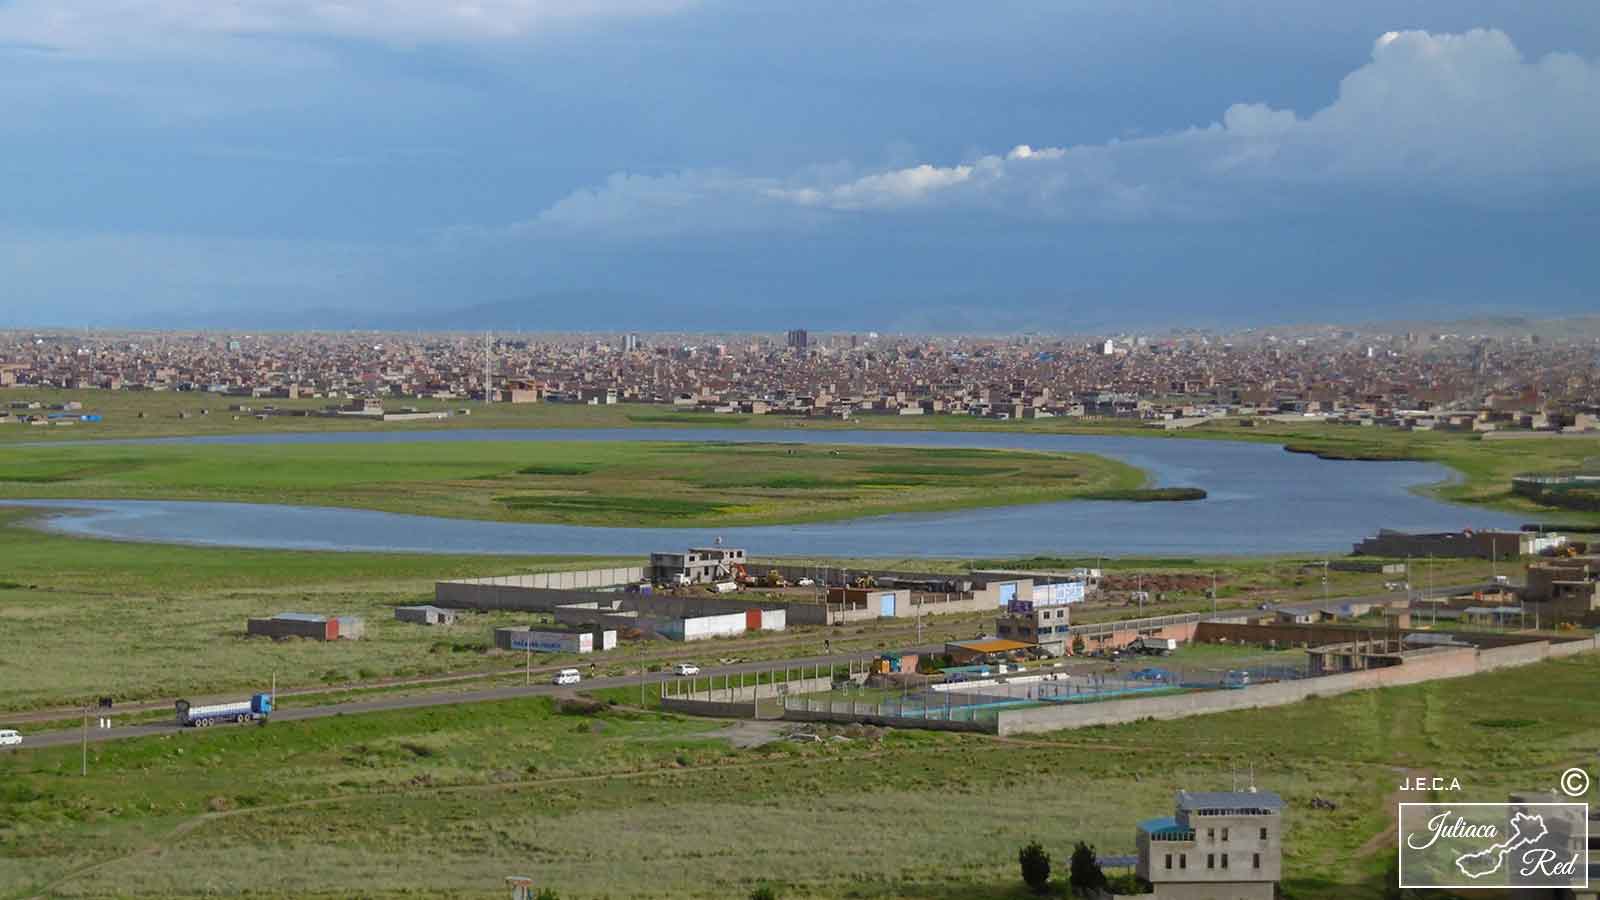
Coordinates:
9 737
568 676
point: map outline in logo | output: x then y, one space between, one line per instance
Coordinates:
1519 826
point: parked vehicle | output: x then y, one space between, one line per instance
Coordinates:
1151 674
567 676
1153 646
725 587
257 708
687 669
805 582
1236 678
9 737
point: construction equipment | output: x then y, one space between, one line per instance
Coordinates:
865 581
774 579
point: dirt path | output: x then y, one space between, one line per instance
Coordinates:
1385 839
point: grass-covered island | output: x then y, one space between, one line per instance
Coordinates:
579 482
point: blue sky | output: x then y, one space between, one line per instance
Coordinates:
997 166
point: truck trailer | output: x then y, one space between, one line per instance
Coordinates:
257 708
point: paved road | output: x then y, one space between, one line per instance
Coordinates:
379 704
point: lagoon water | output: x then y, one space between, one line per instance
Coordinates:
1261 500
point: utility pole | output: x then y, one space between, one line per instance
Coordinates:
1213 592
1429 592
641 671
527 667
85 772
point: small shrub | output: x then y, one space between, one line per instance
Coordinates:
1087 878
1035 863
579 706
764 892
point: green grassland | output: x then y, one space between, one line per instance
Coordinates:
1485 466
583 482
620 803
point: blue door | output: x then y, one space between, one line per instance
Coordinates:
886 604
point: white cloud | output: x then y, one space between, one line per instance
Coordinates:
1455 115
113 26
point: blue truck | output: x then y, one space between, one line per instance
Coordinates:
257 708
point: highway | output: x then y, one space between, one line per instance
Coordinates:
70 736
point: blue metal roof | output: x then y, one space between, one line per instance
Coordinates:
1163 825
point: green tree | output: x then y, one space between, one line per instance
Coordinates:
1035 863
1077 645
1087 878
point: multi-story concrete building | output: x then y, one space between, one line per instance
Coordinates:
699 565
1223 845
1564 589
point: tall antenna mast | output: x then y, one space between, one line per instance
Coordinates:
488 368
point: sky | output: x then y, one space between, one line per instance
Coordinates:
747 165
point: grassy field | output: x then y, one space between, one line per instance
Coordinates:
587 483
619 803
1486 466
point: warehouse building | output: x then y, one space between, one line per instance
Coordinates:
425 615
308 625
555 639
1466 544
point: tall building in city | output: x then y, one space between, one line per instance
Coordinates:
631 342
798 339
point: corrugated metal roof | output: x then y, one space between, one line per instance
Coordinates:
1229 800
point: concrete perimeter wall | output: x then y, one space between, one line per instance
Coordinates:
1445 663
736 701
1286 635
986 726
471 593
478 595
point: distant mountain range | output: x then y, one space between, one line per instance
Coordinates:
605 311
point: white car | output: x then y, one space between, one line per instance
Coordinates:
687 669
568 676
9 737
805 582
